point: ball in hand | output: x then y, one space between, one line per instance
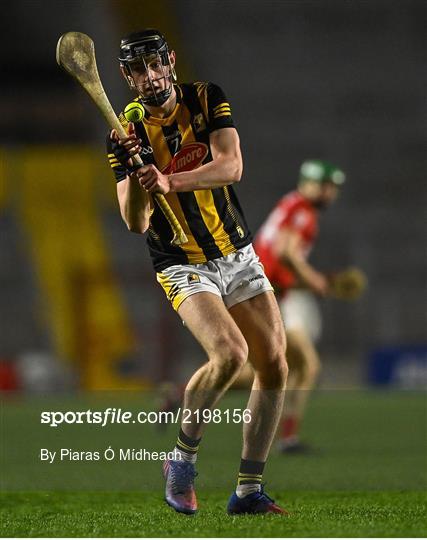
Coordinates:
134 112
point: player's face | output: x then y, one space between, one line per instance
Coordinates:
321 194
328 194
151 76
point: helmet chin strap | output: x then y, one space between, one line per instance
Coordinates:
157 98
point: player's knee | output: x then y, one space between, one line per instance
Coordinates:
274 373
230 356
281 371
273 369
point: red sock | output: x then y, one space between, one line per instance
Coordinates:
290 426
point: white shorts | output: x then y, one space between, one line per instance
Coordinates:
235 277
300 311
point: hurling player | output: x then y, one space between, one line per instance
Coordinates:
215 282
283 245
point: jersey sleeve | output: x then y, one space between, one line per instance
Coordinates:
118 169
219 110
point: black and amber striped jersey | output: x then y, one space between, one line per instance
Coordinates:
212 219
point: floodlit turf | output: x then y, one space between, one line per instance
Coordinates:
132 514
367 478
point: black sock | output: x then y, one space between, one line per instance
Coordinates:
250 472
187 444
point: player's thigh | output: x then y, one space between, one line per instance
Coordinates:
300 310
207 318
261 324
302 354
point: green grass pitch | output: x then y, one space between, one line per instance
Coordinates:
367 479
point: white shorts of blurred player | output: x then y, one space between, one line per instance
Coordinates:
300 311
235 278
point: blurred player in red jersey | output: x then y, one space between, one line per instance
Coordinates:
283 245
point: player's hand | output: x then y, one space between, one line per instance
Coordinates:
152 180
124 149
320 285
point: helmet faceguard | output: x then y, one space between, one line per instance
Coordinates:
142 51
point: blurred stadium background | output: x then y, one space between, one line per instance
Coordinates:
343 81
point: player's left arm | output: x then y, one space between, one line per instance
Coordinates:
288 249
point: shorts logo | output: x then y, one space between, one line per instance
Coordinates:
193 278
258 276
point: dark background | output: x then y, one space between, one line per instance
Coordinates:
339 80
